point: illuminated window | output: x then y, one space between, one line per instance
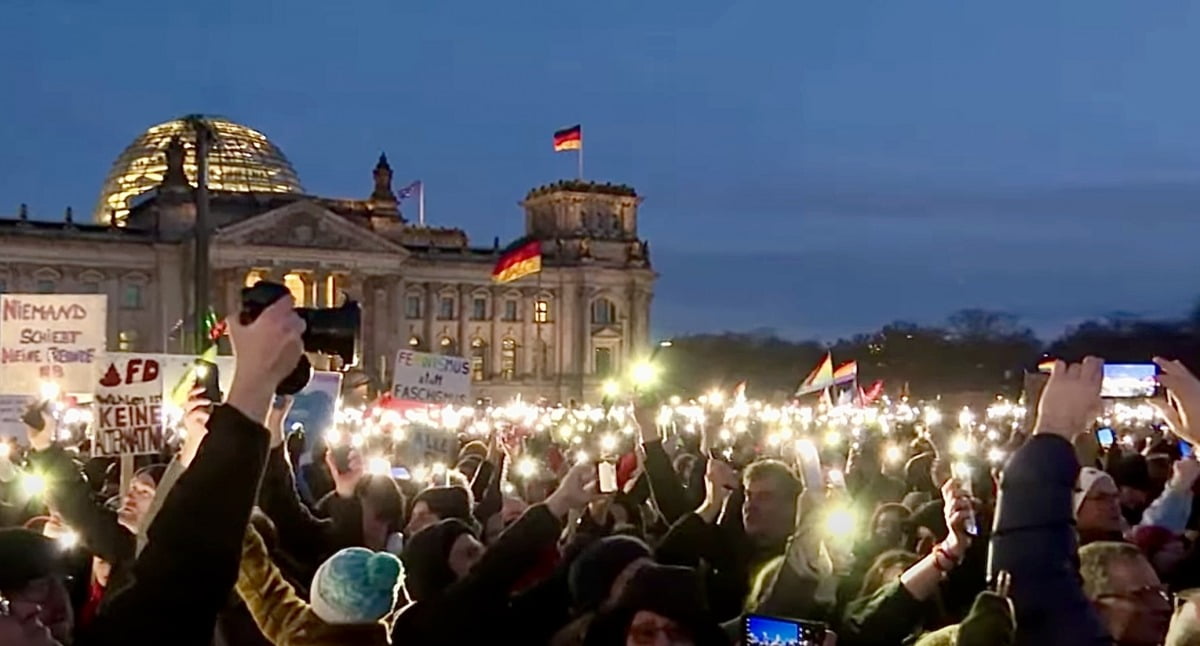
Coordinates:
478 360
131 296
254 276
510 310
127 340
295 284
446 308
412 307
508 358
603 312
45 286
447 346
541 311
602 361
479 309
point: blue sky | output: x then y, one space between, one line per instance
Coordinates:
817 168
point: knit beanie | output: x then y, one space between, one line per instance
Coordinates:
1151 539
593 572
356 586
1088 477
426 558
446 502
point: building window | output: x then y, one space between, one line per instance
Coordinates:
127 341
478 360
89 287
412 307
131 296
603 312
510 310
541 311
446 308
479 309
3 286
295 284
447 346
45 286
602 361
414 342
508 358
254 276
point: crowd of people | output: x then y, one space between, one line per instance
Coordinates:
1051 538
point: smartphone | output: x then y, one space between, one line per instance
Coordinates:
810 465
400 473
208 377
764 630
341 457
606 474
1106 437
1185 449
962 473
1129 380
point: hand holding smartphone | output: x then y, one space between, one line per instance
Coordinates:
606 476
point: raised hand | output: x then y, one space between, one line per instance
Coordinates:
40 440
1183 392
344 483
1071 398
577 489
265 351
196 411
280 407
957 509
1184 474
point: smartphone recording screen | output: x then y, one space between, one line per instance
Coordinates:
1105 436
774 631
1123 380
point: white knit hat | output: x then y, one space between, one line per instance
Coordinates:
1088 477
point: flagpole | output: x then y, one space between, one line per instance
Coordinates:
581 159
421 204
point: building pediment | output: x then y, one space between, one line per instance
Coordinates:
606 332
305 225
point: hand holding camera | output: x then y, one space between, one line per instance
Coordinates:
266 349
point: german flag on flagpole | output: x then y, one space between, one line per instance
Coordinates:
569 139
522 258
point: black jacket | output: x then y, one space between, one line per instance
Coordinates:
185 575
1034 540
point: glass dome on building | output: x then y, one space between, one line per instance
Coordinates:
241 159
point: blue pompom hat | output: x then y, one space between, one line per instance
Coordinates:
356 586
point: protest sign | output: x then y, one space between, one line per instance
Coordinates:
12 407
127 410
427 444
51 337
431 378
315 406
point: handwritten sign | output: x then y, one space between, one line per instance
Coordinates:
128 417
51 337
12 407
316 405
426 445
431 378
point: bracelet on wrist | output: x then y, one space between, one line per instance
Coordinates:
943 560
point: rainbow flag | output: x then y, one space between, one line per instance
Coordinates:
819 379
569 139
845 373
521 258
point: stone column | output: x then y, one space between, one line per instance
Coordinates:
493 353
430 313
464 294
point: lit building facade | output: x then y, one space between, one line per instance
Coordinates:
557 335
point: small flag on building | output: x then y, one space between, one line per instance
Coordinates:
569 139
521 258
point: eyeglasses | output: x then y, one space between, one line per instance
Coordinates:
1147 595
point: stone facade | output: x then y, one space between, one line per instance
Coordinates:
558 335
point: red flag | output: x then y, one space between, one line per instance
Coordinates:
874 392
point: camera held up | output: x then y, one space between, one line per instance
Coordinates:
331 331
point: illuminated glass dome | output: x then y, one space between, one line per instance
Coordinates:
242 159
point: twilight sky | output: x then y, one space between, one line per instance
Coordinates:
815 167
